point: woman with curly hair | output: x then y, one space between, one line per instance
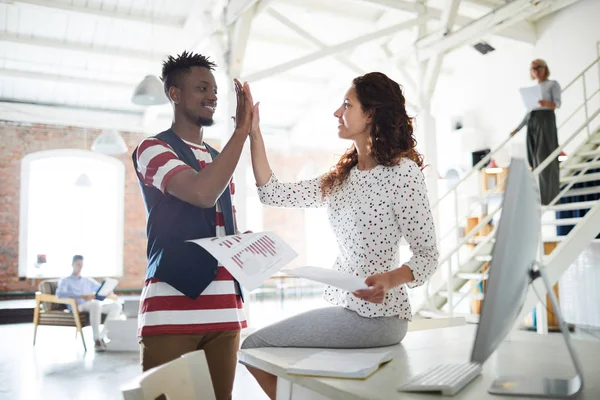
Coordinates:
374 196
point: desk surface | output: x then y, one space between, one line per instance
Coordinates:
522 353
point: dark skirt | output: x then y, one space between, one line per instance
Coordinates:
542 140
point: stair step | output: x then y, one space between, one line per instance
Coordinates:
480 239
471 276
590 164
594 139
561 238
582 205
469 318
581 178
562 221
483 258
458 295
588 153
582 191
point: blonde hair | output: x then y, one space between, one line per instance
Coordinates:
541 63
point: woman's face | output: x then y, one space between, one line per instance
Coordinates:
353 122
538 71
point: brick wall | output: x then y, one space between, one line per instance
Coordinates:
18 140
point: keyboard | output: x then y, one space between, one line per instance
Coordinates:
448 379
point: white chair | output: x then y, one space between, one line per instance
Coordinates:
186 378
434 323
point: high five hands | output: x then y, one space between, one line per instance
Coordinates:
246 114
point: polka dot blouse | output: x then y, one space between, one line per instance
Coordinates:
369 214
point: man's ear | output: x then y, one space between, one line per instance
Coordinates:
174 94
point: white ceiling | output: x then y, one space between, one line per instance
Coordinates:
78 61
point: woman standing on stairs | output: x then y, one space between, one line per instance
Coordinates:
542 136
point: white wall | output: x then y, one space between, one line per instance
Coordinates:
483 92
483 89
568 39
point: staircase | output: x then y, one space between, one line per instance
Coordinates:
464 258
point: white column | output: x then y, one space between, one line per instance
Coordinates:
237 40
427 143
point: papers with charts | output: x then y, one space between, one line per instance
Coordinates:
251 258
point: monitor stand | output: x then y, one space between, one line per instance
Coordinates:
543 387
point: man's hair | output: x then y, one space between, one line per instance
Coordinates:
174 68
77 257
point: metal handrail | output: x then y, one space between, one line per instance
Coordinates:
447 258
488 156
536 173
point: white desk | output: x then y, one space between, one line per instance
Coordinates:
522 353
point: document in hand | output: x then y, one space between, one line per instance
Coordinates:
341 364
330 277
531 96
106 288
251 258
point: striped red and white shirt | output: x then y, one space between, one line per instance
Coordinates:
164 309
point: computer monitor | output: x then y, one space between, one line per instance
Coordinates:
513 256
511 270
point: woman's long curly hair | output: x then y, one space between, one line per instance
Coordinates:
391 137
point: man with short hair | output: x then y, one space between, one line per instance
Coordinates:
83 290
189 301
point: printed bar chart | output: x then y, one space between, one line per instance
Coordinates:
251 258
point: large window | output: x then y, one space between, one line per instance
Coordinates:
71 203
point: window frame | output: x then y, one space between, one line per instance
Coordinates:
26 163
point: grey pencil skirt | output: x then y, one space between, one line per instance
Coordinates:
330 327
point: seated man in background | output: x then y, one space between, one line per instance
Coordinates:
83 290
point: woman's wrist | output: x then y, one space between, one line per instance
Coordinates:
255 134
399 276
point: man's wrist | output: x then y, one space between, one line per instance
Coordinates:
240 133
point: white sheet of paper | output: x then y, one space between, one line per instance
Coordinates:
330 277
340 364
108 287
251 258
531 96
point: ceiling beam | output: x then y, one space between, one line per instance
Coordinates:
397 5
239 33
198 24
345 61
166 21
487 3
80 47
556 5
524 31
39 75
69 115
331 50
236 8
491 23
434 65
